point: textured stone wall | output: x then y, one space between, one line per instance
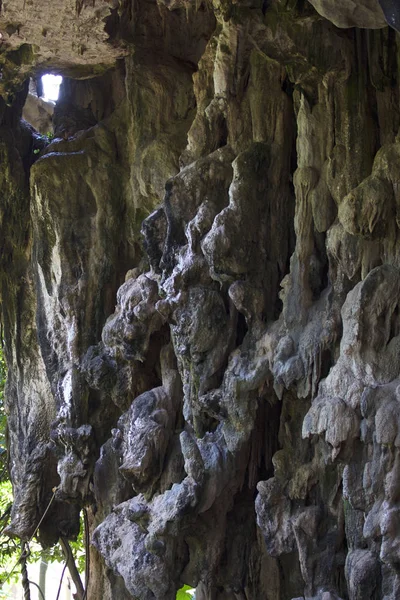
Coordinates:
200 287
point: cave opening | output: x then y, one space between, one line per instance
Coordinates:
50 87
40 102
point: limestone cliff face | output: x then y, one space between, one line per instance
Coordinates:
200 288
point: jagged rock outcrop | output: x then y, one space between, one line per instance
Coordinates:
200 282
39 113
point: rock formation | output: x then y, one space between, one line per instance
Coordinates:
38 112
200 291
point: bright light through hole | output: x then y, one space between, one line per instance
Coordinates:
51 86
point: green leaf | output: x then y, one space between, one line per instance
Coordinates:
9 548
182 594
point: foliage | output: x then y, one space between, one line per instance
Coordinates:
185 593
9 548
41 141
79 550
47 137
55 554
3 420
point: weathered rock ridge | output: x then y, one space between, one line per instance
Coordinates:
200 287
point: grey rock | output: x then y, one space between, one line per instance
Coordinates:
200 282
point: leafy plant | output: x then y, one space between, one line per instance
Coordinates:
185 593
9 548
40 141
3 418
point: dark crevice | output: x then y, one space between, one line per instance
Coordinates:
241 330
394 323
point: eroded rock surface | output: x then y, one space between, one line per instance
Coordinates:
200 282
361 13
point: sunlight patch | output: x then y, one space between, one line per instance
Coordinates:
51 87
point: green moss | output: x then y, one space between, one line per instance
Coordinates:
225 49
241 14
273 18
23 56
